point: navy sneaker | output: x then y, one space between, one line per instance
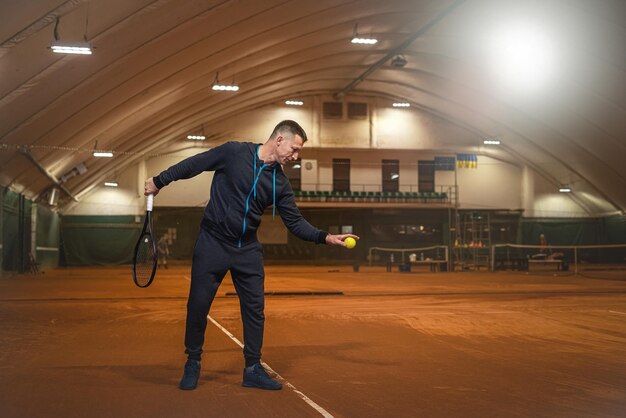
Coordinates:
256 377
191 375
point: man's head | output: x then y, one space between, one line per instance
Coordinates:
289 128
288 139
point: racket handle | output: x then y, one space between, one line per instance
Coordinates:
150 202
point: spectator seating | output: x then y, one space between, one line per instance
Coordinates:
363 196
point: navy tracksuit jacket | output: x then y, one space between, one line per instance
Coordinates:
243 186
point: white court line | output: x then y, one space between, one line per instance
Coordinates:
618 312
305 398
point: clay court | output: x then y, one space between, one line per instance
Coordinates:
86 342
436 190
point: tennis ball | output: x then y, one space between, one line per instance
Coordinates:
350 242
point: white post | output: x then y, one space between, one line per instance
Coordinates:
33 231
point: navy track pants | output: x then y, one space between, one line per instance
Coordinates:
212 258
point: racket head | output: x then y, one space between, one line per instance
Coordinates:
145 256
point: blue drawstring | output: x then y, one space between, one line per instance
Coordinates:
274 193
253 190
254 172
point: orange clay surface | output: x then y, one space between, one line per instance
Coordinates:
85 342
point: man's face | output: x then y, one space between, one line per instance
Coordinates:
288 148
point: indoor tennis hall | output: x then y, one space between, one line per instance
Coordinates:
473 149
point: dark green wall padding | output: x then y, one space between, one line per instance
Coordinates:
99 240
110 240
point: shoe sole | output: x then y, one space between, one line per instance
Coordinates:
188 387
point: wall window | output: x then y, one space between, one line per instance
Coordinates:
341 174
391 175
426 176
357 110
332 110
294 174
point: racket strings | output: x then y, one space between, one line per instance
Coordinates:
145 262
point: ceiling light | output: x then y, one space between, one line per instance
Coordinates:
523 56
402 104
297 165
110 183
105 154
294 102
491 142
196 137
365 41
356 39
395 176
59 47
223 87
565 190
82 48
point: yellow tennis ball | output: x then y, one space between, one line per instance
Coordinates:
350 242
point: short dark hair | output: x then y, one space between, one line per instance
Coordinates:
291 127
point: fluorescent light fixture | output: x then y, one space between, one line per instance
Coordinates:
491 142
402 104
294 102
82 48
110 183
225 87
100 154
196 137
364 41
565 190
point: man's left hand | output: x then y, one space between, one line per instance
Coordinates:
339 239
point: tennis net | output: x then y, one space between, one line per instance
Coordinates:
384 255
575 259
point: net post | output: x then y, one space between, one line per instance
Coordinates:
575 261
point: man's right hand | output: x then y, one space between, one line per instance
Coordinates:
150 188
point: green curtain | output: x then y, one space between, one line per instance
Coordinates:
99 240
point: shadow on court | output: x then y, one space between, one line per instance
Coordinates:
87 342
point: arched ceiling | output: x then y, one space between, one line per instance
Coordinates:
148 80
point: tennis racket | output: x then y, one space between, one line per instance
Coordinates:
145 258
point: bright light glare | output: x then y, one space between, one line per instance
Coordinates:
401 104
196 137
565 190
294 102
522 57
110 183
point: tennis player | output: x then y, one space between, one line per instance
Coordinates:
248 178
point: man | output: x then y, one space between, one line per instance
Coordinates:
248 178
163 250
